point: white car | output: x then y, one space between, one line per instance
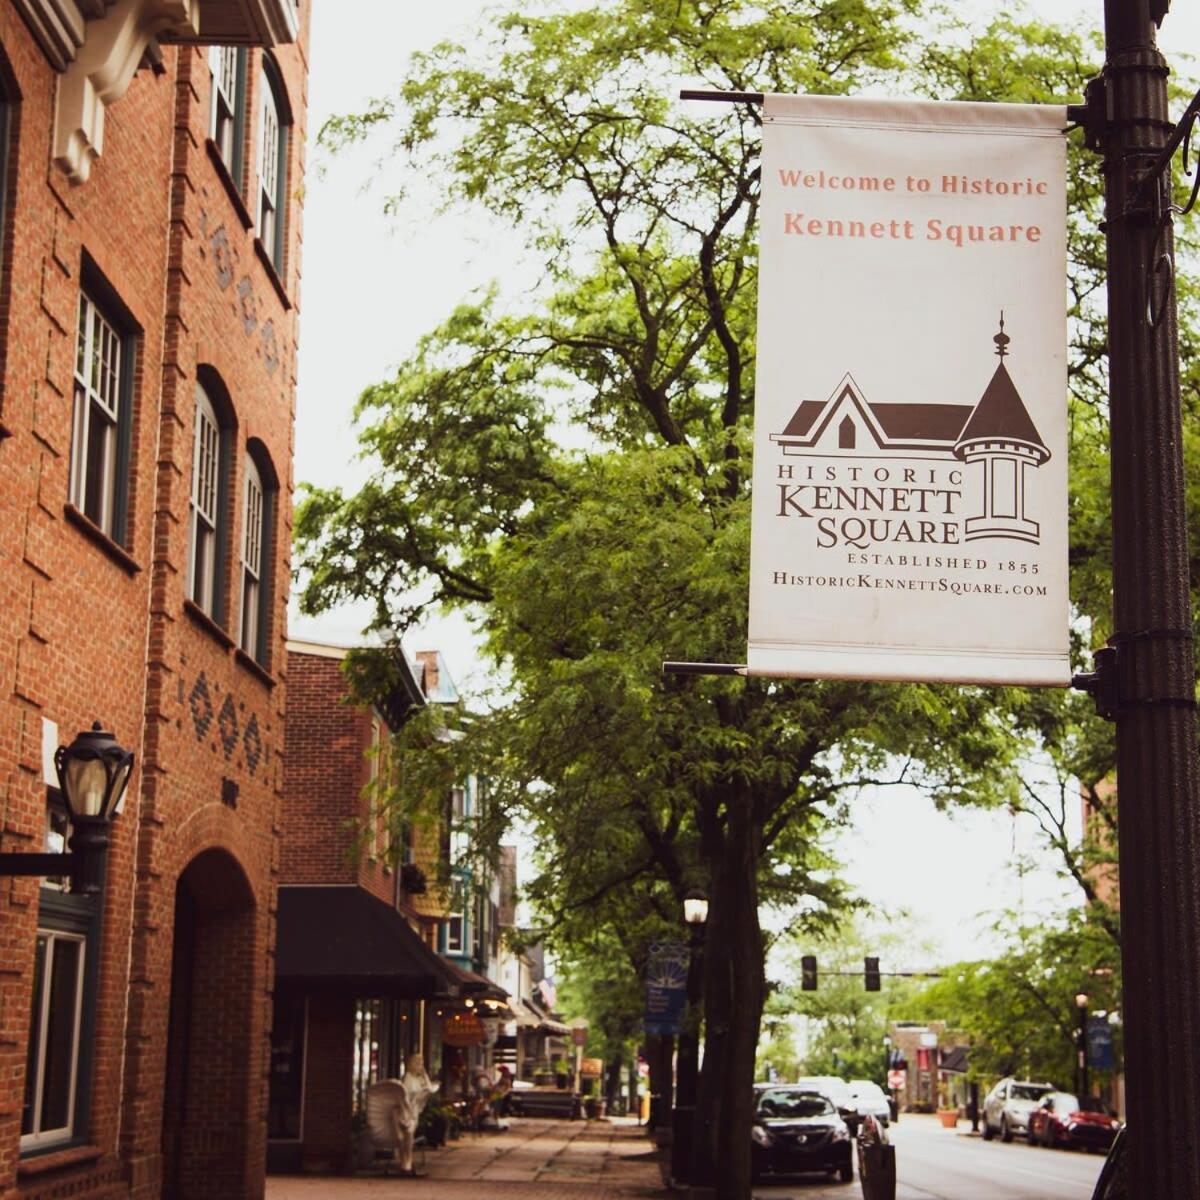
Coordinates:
870 1099
1007 1106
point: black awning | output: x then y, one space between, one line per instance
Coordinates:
478 987
955 1061
344 939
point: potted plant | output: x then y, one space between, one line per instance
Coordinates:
562 1076
947 1113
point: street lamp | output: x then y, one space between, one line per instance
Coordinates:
1081 1003
93 773
695 914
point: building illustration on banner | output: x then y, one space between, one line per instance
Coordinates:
996 435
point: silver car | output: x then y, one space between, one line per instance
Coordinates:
870 1098
1007 1106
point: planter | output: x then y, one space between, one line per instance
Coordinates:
948 1117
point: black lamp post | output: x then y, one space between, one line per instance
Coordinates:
93 772
1081 1003
695 913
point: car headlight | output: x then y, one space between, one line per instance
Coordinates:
760 1136
841 1134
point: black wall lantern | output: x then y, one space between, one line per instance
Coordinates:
93 773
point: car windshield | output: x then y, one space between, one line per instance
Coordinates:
830 1086
1027 1091
1064 1102
793 1104
869 1092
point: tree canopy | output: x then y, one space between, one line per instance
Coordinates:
571 466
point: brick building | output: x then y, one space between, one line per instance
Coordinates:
151 157
348 1010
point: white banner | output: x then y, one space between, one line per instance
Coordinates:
910 449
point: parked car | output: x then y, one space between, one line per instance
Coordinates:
837 1090
870 1099
1112 1184
1061 1119
798 1130
1007 1106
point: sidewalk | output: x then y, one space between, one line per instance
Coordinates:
542 1160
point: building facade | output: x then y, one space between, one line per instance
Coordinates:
151 162
360 985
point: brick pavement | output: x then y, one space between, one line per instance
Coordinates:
542 1160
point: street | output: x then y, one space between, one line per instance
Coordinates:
937 1164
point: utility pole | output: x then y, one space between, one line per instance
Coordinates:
1146 678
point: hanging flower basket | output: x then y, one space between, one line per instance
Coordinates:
412 879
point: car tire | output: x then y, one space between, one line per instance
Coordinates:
846 1173
1048 1137
1006 1134
987 1131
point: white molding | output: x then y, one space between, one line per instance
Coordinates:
274 21
58 26
102 70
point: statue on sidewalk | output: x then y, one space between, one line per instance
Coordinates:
394 1108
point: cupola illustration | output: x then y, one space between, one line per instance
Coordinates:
1001 436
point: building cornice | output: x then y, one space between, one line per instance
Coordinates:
97 46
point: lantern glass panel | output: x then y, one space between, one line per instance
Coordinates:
87 785
695 910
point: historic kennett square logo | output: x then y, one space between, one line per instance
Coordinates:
857 498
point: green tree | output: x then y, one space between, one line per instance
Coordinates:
587 569
1019 1008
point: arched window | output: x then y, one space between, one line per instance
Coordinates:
228 119
208 520
274 120
258 519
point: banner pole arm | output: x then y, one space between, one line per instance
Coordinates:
723 97
693 668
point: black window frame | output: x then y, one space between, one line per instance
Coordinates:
275 247
77 916
95 287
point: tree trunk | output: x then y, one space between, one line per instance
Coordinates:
734 991
660 1053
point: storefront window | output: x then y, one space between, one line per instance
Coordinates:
287 1069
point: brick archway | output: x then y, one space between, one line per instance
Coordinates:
207 1095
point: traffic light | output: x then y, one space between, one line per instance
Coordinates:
871 974
808 973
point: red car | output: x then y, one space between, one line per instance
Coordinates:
1064 1120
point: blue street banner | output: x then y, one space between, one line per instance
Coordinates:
1100 1055
666 989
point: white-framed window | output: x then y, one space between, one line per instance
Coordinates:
203 564
96 484
52 1064
228 66
374 773
254 516
456 921
272 171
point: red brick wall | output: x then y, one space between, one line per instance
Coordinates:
90 632
328 1080
326 769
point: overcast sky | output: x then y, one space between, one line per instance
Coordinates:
373 285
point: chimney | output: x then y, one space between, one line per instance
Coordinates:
429 677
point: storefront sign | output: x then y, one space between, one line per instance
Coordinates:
897 1080
666 989
463 1029
910 485
592 1067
